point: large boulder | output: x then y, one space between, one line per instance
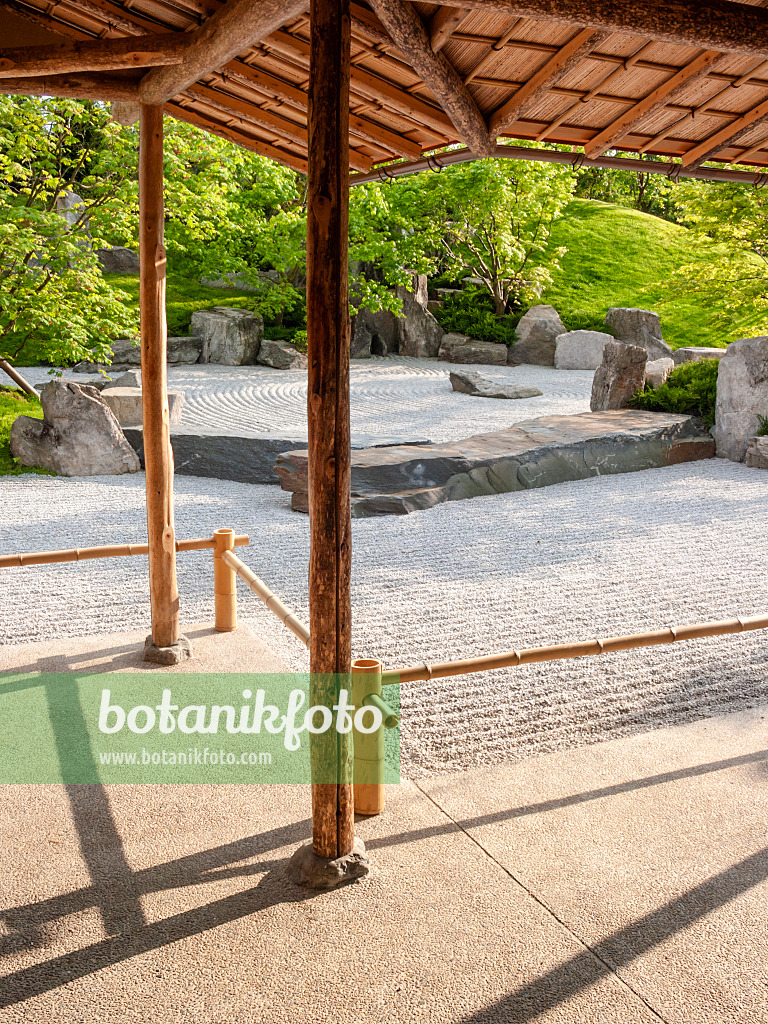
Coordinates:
742 396
118 260
77 436
418 333
537 335
638 327
127 405
458 348
620 376
656 372
693 354
580 350
126 354
282 355
231 337
757 453
374 334
466 382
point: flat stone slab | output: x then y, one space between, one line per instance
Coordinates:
126 403
534 453
467 382
247 458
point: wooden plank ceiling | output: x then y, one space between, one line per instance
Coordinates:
425 76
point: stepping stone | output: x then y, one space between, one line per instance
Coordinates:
534 453
467 382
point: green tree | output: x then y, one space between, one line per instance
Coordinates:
726 258
55 306
489 219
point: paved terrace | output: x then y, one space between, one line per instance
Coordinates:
622 882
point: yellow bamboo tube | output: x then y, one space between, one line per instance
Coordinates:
224 583
262 591
369 751
106 551
511 659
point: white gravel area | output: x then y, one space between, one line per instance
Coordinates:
583 559
393 397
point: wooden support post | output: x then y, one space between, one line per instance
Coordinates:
328 412
224 583
158 457
369 747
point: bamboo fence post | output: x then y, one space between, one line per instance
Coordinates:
369 748
224 583
158 456
328 413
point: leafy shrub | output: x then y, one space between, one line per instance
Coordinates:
472 312
691 389
763 428
585 322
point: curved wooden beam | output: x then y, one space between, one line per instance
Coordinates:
410 37
232 29
94 55
709 24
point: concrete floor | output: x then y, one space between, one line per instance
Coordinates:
622 882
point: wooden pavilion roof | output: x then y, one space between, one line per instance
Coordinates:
426 75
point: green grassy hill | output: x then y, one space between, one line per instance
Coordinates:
620 257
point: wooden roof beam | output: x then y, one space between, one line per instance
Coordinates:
240 138
526 98
96 55
652 104
728 136
232 29
443 23
85 86
410 37
711 24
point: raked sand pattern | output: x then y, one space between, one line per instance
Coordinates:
592 558
399 398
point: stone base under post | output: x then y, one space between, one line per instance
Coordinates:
173 655
307 869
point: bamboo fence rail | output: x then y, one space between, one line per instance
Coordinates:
262 591
105 551
582 649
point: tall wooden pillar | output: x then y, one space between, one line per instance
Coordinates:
328 412
158 456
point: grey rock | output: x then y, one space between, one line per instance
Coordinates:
580 350
69 205
126 353
537 335
757 453
638 327
231 337
418 333
118 260
173 655
694 354
307 869
235 280
129 379
469 383
742 396
282 355
78 435
446 293
126 404
374 334
531 454
657 371
458 348
434 306
620 376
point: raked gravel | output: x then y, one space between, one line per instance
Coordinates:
401 398
590 558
